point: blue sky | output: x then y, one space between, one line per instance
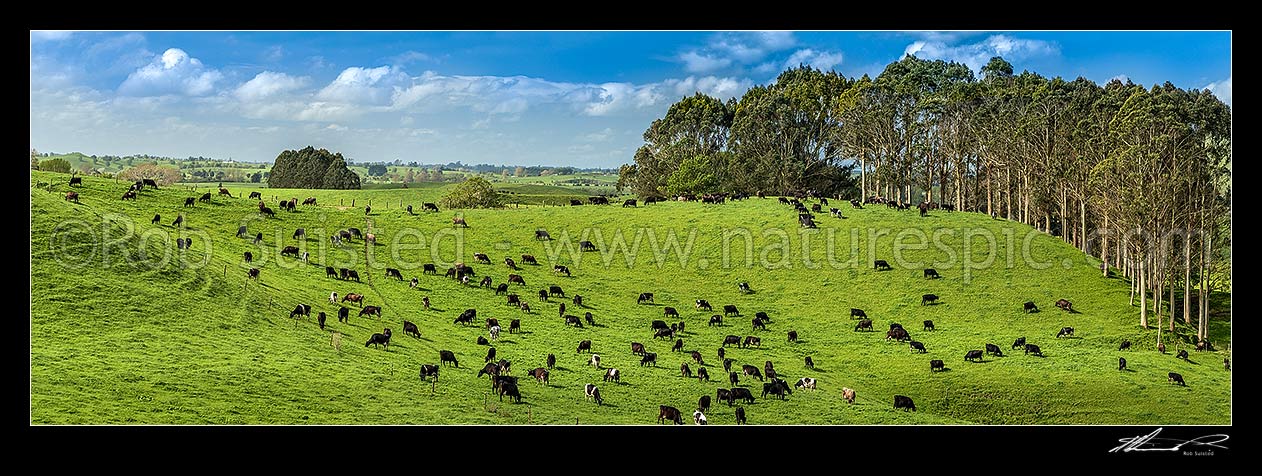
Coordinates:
529 98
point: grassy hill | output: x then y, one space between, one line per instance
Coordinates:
124 331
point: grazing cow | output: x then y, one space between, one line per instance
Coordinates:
740 415
744 287
180 219
205 197
542 235
495 332
76 181
805 382
742 394
355 298
848 394
628 203
543 296
1226 364
881 264
810 364
371 238
917 346
1065 332
669 413
492 322
1065 304
591 321
1019 343
575 203
525 307
727 363
924 209
903 402
637 348
752 341
501 289
730 310
757 324
1033 349
290 250
973 355
352 274
1182 354
561 269
343 314
936 365
445 356
514 326
254 195
383 339
684 371
516 278
528 259
1030 307
749 370
669 311
428 370
241 231
793 336
858 313
698 417
302 310
312 201
1126 344
994 350
370 310
613 375
864 324
425 302
1121 363
458 221
414 283
573 321
248 257
722 395
552 361
555 291
584 345
482 258
409 328
762 316
644 297
731 339
300 233
429 207
932 273
190 201
466 317
659 324
129 195
703 304
928 326
696 357
703 403
586 246
490 355
928 299
678 347
649 358
510 389
593 393
595 360
1175 377
429 269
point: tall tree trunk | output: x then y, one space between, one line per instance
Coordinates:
1143 296
1187 277
1084 242
1104 246
1171 286
990 194
1008 207
863 175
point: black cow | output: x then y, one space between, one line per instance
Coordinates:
466 317
383 339
936 365
1030 307
637 348
904 402
180 219
669 311
428 370
740 415
678 347
917 346
191 201
150 182
703 304
928 326
928 299
857 313
742 394
573 321
584 345
1019 343
290 250
429 268
864 324
429 207
591 321
731 339
744 287
752 341
649 358
555 291
300 233
762 316
994 349
205 197
492 369
1033 349
723 394
775 388
810 364
881 264
514 326
1121 363
542 235
1175 377
1126 344
757 324
409 328
730 310
513 299
510 389
343 314
974 355
1183 354
793 336
1065 304
932 273
716 320
749 370
684 371
586 246
370 310
352 274
501 289
1065 332
516 278
528 259
669 413
659 324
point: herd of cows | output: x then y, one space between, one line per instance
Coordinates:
499 369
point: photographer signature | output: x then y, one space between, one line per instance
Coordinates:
1150 442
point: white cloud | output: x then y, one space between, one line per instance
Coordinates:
975 55
1221 89
49 35
602 135
365 86
695 62
269 84
822 60
173 72
409 57
274 53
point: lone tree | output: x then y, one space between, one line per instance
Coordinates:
55 165
160 174
311 168
475 192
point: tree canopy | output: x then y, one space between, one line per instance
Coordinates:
476 192
311 168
